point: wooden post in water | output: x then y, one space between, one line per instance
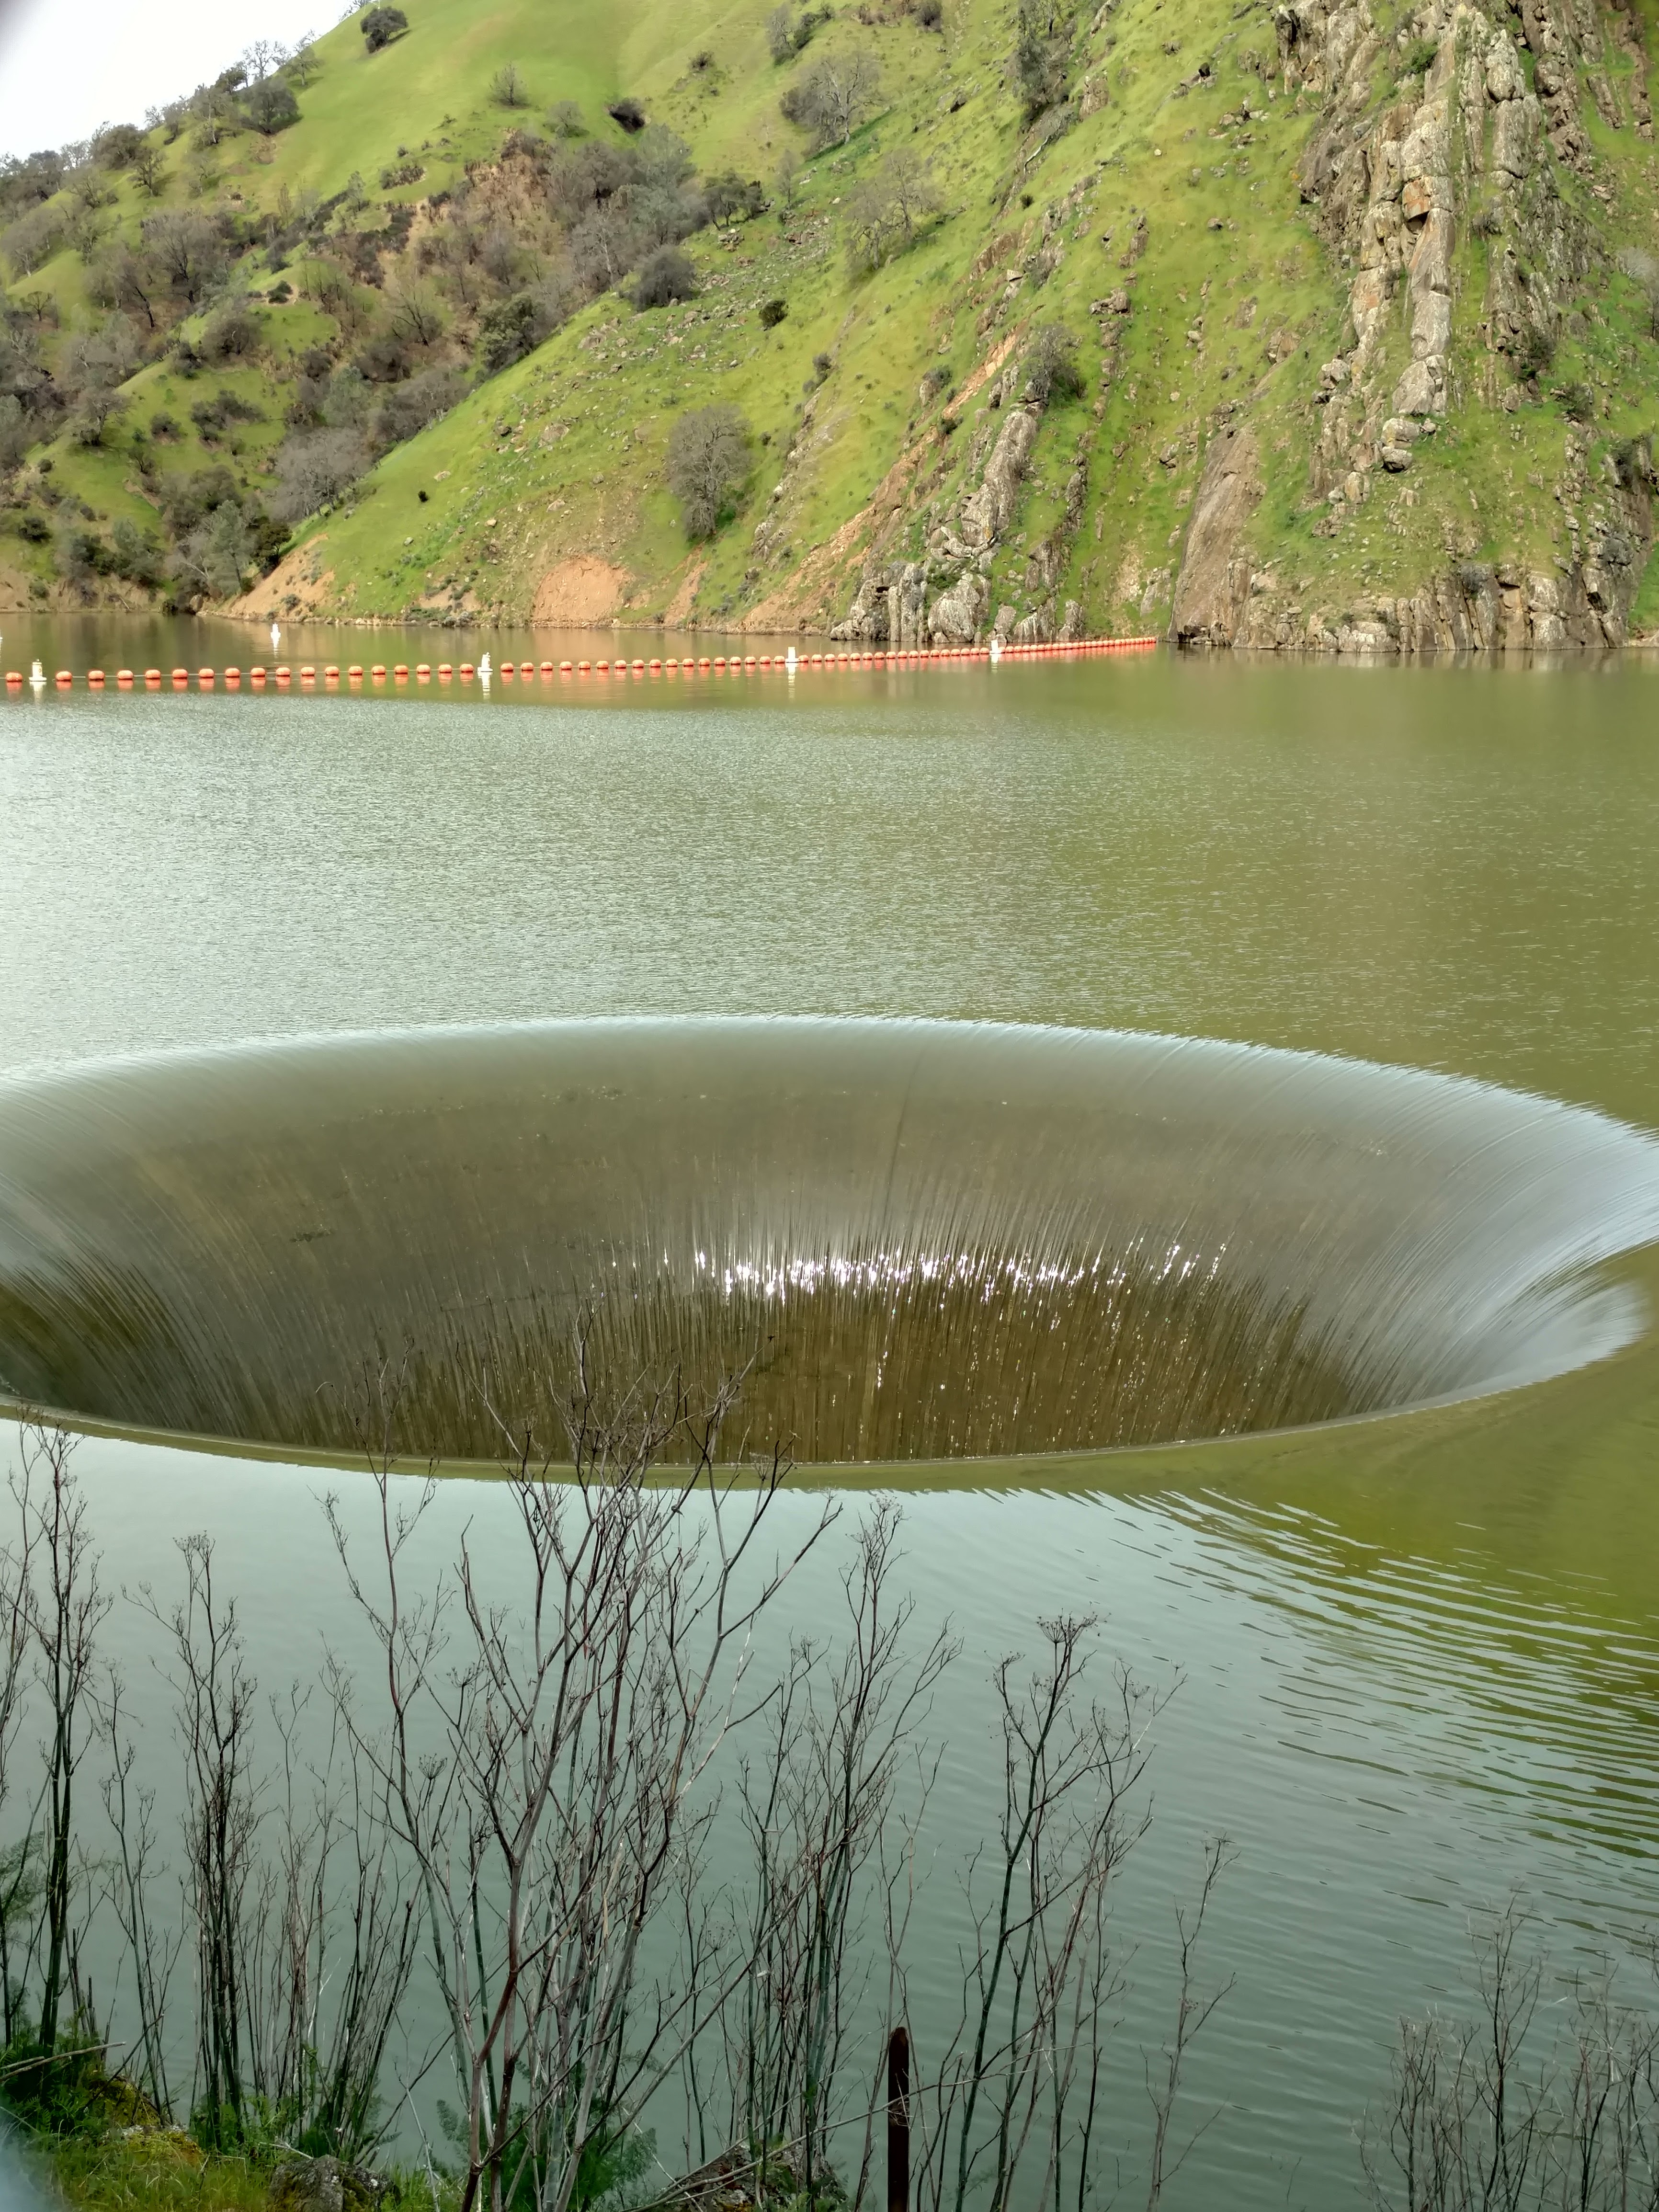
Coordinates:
898 2121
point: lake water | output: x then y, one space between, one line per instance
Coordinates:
1419 1655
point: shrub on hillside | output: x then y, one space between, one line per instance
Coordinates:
269 105
380 26
788 33
628 114
731 198
314 470
516 326
115 147
1041 58
1051 365
507 87
707 464
884 212
187 248
408 408
31 241
14 433
772 312
664 278
564 120
233 333
834 97
216 560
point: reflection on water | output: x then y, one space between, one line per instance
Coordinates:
921 1241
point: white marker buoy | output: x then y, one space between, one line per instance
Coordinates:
789 661
996 651
275 640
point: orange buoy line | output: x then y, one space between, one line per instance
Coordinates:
718 665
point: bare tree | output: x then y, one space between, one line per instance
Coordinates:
707 461
560 1815
835 96
882 213
19 1883
817 1808
1192 2011
152 1949
217 1695
1038 1976
68 1606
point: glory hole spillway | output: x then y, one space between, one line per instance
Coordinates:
916 1240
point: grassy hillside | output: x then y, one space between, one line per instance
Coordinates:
1250 222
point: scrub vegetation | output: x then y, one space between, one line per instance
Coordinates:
556 1857
1362 346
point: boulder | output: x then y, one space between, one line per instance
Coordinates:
956 614
324 2184
985 513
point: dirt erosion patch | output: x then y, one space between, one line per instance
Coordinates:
579 592
297 585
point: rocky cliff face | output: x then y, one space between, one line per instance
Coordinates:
1481 149
1470 220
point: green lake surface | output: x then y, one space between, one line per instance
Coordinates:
1420 1655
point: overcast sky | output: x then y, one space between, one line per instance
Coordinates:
68 65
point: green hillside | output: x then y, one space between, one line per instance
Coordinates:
1284 325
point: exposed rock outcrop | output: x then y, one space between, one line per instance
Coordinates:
1214 586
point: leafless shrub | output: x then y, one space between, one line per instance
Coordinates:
1491 2110
834 97
885 211
816 1807
316 470
1039 1977
1051 365
562 1813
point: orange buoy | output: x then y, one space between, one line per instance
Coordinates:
400 673
233 679
180 678
152 676
204 677
444 672
564 667
123 676
331 676
355 674
14 679
257 678
467 671
656 668
548 669
307 676
64 679
96 676
583 669
422 672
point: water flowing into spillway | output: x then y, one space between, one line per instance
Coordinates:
918 1240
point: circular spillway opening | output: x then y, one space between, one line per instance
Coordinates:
912 1240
